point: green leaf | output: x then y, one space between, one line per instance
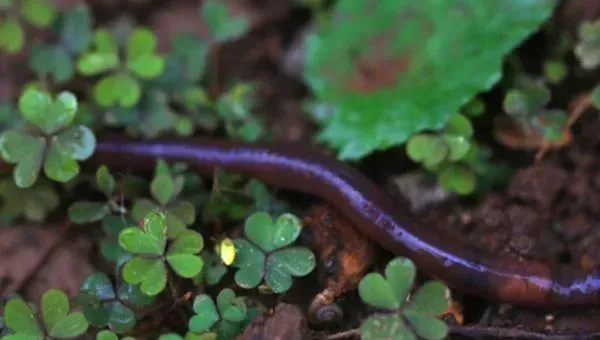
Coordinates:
137 241
427 327
188 242
206 314
588 45
19 317
162 188
76 28
40 13
118 90
94 63
50 115
12 37
27 152
184 211
105 180
419 75
231 308
185 265
433 298
261 229
223 25
69 326
250 262
283 264
458 178
106 335
140 54
78 142
60 166
427 149
87 212
151 273
192 53
51 60
379 327
376 291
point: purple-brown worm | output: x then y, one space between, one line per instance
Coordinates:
386 220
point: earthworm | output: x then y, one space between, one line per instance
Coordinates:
386 220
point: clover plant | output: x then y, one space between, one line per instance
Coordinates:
105 304
58 322
108 335
409 316
265 253
34 203
55 145
222 24
223 319
120 84
166 188
149 245
87 211
58 60
13 13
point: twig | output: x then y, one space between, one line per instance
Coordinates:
476 332
20 284
343 335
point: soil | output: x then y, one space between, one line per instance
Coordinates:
549 211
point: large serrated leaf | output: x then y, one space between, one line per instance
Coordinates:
392 68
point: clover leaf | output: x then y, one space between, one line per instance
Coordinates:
223 25
58 322
148 266
165 188
59 147
87 211
266 253
587 49
120 84
76 28
235 108
33 203
108 335
51 60
384 82
12 36
40 13
212 271
103 304
225 317
412 317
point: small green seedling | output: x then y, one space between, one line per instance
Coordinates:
33 203
120 84
235 108
223 319
38 13
266 253
587 49
82 212
57 60
166 188
222 24
56 145
409 318
108 335
443 153
148 244
105 304
58 322
526 104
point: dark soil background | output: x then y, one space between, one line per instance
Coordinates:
549 211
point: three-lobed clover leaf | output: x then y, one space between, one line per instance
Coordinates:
165 188
121 87
391 293
61 145
58 322
223 25
103 304
148 244
81 212
266 253
225 316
